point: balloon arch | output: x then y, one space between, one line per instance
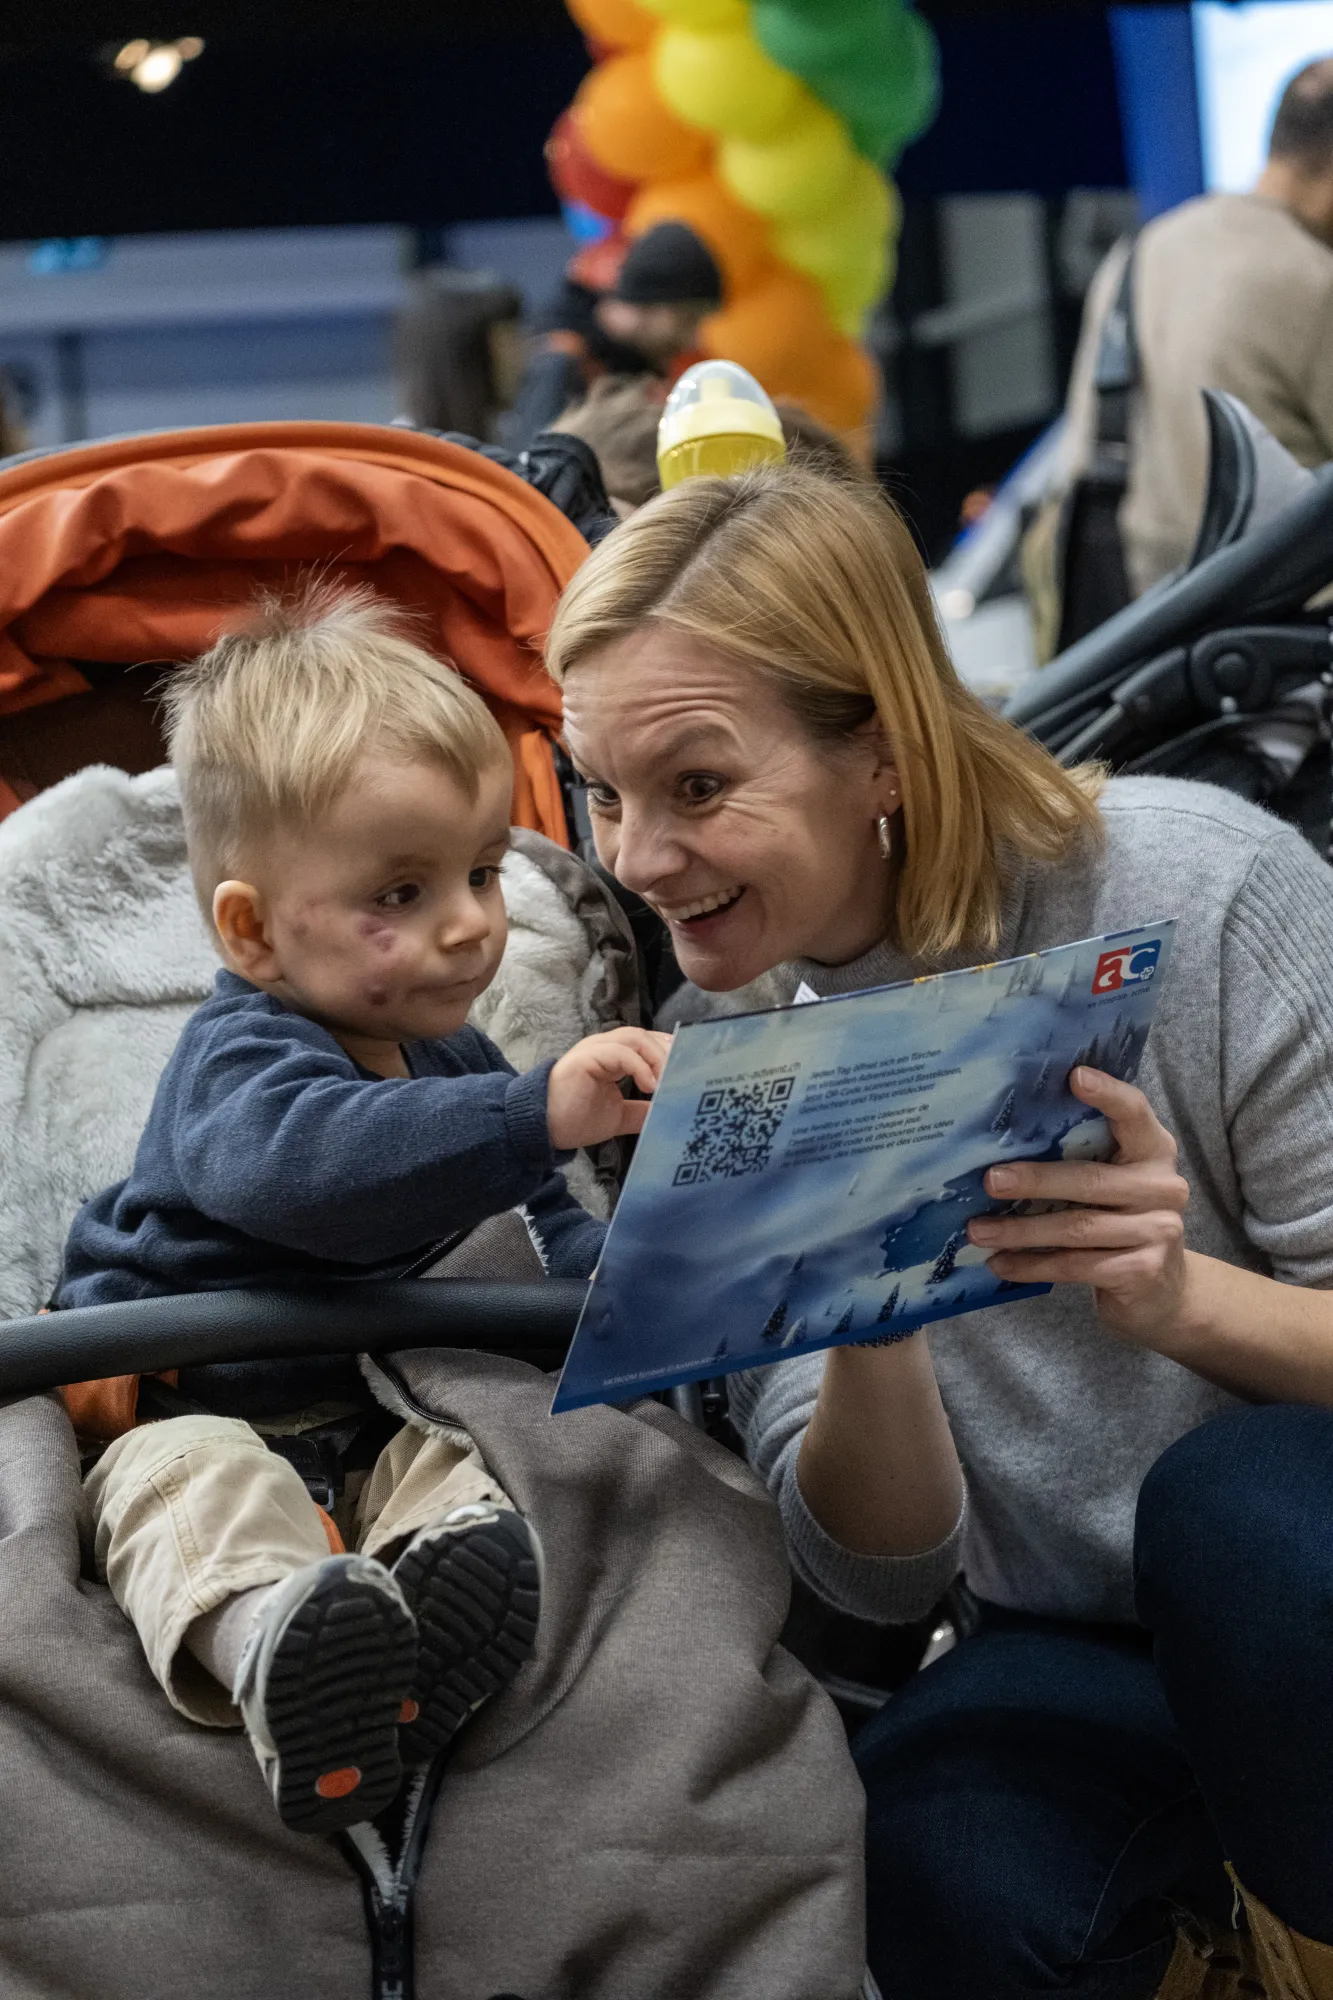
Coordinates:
767 126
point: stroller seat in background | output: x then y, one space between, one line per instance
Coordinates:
661 1802
1223 673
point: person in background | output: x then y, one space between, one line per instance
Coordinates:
647 322
12 437
815 446
459 351
1234 292
1229 291
618 420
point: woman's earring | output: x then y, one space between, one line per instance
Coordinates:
885 833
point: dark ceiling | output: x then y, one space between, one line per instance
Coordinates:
75 24
434 111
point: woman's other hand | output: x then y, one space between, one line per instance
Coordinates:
1123 1234
583 1099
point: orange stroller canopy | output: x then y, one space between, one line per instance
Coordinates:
144 549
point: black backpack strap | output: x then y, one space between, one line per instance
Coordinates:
1089 557
1115 377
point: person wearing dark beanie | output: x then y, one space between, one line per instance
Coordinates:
669 265
646 323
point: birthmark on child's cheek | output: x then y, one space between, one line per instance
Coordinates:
378 934
377 996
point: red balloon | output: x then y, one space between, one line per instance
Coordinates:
576 176
598 265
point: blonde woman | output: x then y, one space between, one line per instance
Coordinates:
782 761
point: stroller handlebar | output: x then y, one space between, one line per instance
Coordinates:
143 1336
1270 572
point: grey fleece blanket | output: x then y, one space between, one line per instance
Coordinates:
661 1806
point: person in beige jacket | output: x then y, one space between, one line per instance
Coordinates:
1232 292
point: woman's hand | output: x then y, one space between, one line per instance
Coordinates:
1124 1235
583 1100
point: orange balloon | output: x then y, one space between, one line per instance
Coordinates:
737 237
618 23
836 382
771 327
627 128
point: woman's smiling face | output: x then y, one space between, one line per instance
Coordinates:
712 801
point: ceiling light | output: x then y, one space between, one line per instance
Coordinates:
154 65
158 68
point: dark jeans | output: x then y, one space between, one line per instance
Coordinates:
1042 1799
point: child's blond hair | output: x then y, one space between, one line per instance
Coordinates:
265 728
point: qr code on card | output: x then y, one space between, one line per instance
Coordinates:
734 1129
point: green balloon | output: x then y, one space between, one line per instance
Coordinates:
831 10
801 39
886 107
873 62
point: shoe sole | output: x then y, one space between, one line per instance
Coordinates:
476 1595
333 1695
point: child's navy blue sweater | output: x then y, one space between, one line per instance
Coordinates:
270 1156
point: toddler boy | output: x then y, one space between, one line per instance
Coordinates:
329 1114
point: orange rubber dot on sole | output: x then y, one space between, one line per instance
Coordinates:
337 1784
409 1711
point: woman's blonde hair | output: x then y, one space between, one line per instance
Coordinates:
816 582
266 727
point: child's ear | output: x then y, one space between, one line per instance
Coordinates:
239 919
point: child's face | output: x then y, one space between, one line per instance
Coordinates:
384 920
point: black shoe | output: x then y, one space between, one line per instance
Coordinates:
473 1583
321 1683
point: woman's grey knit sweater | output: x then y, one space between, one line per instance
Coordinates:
1055 1421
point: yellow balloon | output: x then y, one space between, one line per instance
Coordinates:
852 292
825 253
724 82
703 14
871 204
801 174
868 215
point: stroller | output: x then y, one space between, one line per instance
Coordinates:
662 1802
1224 672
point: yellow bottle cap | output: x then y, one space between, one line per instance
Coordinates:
717 420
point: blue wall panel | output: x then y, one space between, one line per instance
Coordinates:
1159 104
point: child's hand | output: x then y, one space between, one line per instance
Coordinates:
583 1101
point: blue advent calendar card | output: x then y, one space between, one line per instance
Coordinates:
806 1175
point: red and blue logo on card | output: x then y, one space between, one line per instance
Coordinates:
1128 965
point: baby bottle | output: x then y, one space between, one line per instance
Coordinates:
717 420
